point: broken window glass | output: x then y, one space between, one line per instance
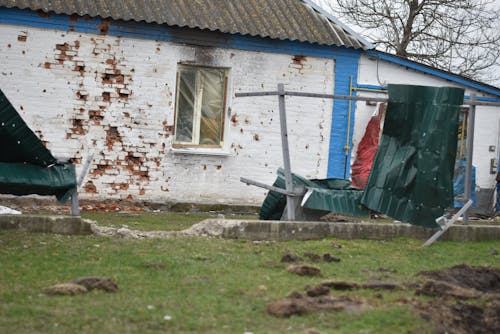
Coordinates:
200 106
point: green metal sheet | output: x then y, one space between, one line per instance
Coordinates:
26 165
19 143
331 195
23 179
412 175
344 201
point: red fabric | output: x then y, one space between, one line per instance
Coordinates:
367 148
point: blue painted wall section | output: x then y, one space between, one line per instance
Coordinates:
346 67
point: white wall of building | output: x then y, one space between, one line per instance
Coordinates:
84 93
487 126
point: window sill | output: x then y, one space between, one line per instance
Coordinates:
202 151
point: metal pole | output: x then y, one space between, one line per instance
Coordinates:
290 206
447 224
75 208
470 147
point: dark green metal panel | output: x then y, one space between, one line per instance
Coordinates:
412 175
347 202
24 179
332 195
18 142
26 165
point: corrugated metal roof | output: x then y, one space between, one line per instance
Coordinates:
295 20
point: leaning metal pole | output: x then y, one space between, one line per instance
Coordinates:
290 203
471 118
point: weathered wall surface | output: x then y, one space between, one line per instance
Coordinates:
84 93
487 126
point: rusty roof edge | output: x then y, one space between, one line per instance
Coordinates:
320 10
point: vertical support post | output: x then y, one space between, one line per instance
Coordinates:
75 208
471 117
290 205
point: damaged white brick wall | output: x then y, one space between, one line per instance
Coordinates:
84 93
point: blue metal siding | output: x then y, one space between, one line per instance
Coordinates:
346 65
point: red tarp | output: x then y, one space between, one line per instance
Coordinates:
365 154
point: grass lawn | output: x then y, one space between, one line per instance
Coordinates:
207 285
155 221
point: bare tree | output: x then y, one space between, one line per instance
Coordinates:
461 36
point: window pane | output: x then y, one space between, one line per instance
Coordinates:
212 105
185 106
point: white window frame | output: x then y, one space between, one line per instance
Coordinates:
194 147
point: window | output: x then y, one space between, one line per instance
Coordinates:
200 104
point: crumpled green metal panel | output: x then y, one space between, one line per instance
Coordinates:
412 175
333 195
26 165
18 142
344 201
23 179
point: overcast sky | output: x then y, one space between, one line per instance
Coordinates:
324 5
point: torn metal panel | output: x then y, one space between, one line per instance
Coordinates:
26 165
19 143
329 195
412 176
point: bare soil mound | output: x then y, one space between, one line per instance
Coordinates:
481 278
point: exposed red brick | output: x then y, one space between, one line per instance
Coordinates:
22 38
106 96
63 47
80 69
234 120
112 136
78 127
47 65
298 59
80 96
100 170
90 187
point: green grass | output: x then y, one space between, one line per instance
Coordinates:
208 285
155 221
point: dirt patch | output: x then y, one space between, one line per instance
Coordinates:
290 258
443 289
451 314
65 289
313 257
299 304
327 257
304 270
98 283
462 318
341 285
481 278
319 290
